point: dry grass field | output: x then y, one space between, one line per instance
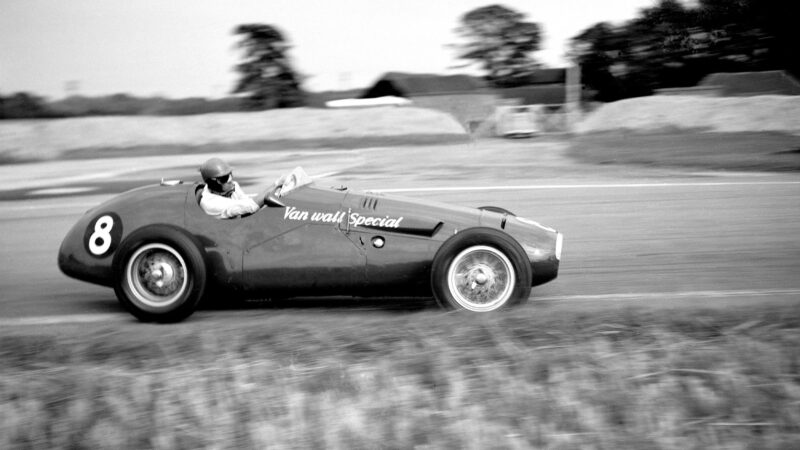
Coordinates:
528 378
36 140
759 133
659 113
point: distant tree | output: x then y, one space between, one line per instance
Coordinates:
760 33
502 42
23 106
265 74
648 52
671 45
598 50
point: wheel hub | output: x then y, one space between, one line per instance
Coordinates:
481 277
162 273
159 276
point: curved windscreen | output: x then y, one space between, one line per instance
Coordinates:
293 180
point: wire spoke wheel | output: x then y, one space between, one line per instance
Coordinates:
481 278
160 273
156 275
480 270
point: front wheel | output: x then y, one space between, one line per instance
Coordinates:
160 274
480 270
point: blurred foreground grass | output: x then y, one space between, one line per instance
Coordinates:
525 378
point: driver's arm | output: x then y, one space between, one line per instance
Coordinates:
238 208
226 208
272 190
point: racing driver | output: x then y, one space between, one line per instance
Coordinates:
222 197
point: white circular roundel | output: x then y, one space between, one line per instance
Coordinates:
103 234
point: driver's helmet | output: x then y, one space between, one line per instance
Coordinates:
217 174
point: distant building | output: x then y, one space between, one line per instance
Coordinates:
476 105
543 87
320 99
545 95
400 84
368 102
466 97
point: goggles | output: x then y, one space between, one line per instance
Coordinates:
223 179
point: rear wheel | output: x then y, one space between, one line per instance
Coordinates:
160 274
480 270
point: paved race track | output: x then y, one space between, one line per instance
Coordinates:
656 236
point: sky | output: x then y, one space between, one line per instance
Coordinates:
186 48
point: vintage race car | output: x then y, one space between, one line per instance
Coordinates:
162 253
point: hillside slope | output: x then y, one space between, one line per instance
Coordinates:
46 139
717 114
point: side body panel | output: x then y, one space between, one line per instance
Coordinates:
400 238
222 240
87 251
302 247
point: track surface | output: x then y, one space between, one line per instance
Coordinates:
651 236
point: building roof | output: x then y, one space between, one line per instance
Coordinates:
551 94
753 83
545 86
409 85
547 76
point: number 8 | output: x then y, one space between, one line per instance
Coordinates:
100 240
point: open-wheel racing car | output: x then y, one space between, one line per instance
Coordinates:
162 253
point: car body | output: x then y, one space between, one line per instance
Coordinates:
161 252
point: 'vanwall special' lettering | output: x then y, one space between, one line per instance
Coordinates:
355 219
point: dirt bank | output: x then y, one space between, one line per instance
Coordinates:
46 139
774 113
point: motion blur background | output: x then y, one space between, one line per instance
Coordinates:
661 137
153 58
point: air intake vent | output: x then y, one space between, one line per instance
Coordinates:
369 203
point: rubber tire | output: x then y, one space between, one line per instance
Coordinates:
497 209
193 256
480 236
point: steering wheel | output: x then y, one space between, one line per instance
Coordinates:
271 198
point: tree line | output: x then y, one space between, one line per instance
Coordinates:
24 105
671 44
674 45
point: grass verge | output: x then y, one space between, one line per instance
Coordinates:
719 151
520 379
